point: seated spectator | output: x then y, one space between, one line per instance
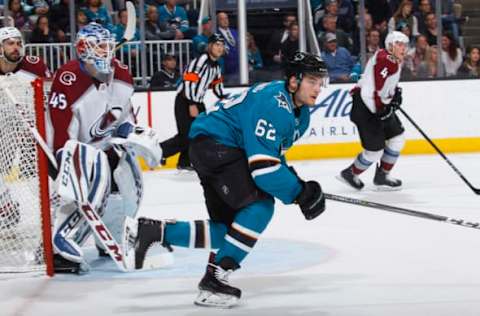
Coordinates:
42 33
19 16
40 7
81 19
368 24
338 59
373 42
96 11
277 38
290 46
424 8
428 69
451 55
380 11
168 75
200 41
432 32
330 26
155 30
343 11
405 29
404 14
231 48
255 60
60 20
471 66
416 55
176 17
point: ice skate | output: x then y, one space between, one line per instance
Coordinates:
349 178
215 290
384 182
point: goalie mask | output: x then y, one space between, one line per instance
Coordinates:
11 45
95 46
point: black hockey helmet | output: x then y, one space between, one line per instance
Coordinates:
216 37
305 63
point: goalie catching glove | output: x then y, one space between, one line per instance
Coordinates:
143 141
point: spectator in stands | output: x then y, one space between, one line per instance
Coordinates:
96 11
168 75
19 16
255 60
380 11
42 33
428 68
155 30
343 10
416 55
231 47
338 59
60 20
368 24
176 17
405 29
471 66
290 46
200 41
81 19
40 7
424 7
404 14
451 55
330 26
277 38
432 32
373 42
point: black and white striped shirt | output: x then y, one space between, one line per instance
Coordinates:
202 73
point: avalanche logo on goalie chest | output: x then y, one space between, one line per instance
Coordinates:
105 124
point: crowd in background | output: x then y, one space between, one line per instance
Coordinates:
335 21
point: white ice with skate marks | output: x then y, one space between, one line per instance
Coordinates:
349 261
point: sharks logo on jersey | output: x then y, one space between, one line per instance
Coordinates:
283 102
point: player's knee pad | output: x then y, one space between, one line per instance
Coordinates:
372 156
396 143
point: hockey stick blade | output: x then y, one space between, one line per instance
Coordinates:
401 210
131 24
475 190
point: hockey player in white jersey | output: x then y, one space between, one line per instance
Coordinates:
93 130
375 100
14 62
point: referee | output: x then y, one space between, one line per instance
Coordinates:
202 73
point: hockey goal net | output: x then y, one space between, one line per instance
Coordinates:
25 229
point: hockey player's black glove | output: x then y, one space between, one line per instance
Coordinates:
311 200
397 99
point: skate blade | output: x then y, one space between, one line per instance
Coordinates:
209 299
386 188
342 180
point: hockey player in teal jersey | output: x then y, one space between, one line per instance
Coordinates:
237 150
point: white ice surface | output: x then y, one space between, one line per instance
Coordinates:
349 261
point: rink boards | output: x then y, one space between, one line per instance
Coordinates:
446 110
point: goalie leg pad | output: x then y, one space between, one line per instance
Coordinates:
62 243
84 174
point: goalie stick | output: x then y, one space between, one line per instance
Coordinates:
475 190
401 210
123 260
131 23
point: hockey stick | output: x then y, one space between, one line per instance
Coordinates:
131 24
123 261
401 210
475 190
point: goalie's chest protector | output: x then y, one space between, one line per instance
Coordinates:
93 110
